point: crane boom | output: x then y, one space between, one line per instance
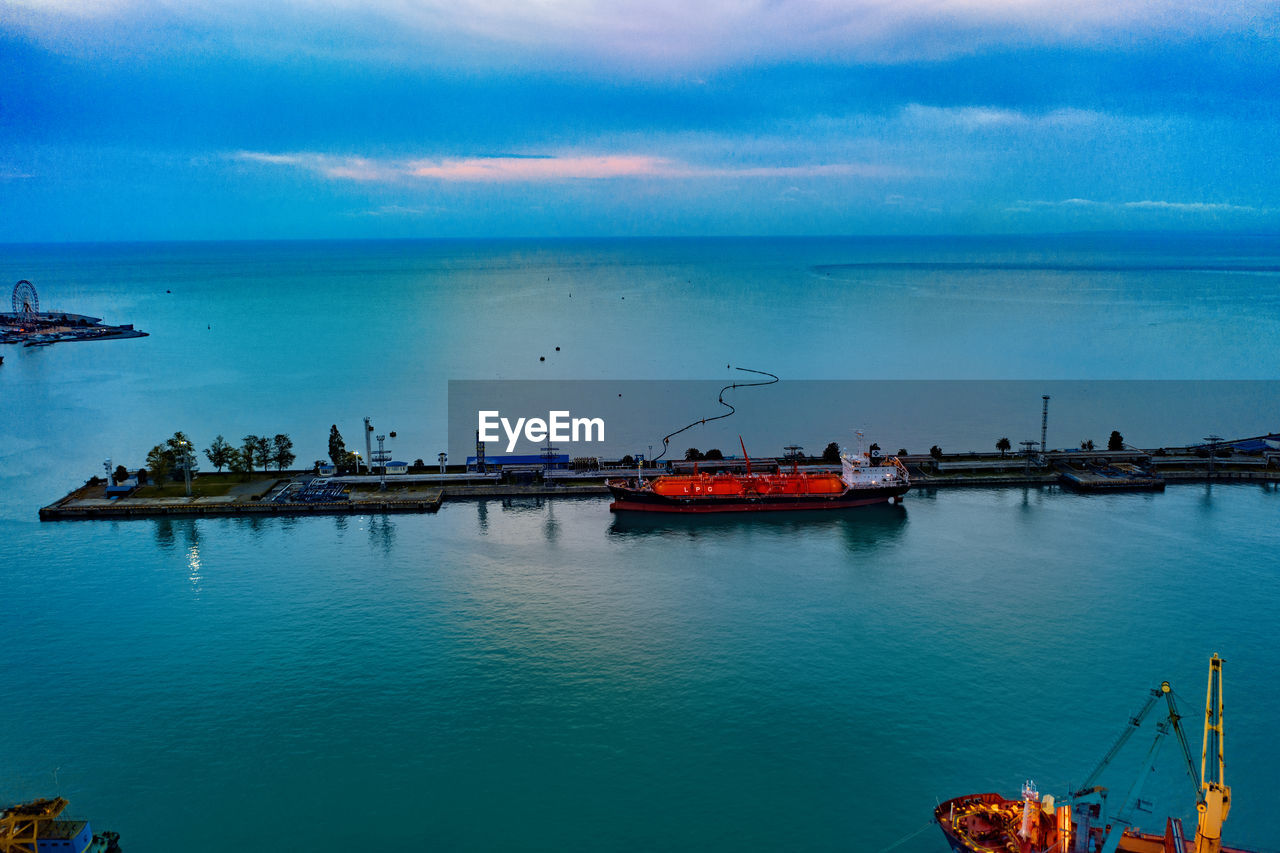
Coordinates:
1135 722
1215 794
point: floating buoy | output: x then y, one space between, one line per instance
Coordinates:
542 358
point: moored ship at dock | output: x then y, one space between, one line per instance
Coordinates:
37 827
1083 822
859 483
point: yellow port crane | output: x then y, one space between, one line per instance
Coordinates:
20 825
1214 801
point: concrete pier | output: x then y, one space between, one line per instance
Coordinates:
427 492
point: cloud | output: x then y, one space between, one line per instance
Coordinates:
330 166
528 169
1193 207
985 117
14 175
397 210
544 168
651 34
1166 206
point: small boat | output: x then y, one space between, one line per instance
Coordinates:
859 483
35 827
1084 821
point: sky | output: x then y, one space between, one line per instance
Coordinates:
265 119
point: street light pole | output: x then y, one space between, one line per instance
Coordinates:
1213 451
186 466
382 457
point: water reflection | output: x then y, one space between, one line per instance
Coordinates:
252 523
551 529
169 532
164 533
194 567
382 532
522 504
862 527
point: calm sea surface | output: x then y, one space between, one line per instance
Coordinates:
545 676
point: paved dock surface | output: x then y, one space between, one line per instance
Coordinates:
88 503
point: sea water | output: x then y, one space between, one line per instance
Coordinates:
543 675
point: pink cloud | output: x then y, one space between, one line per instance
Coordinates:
539 169
525 169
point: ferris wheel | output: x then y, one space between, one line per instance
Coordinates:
25 299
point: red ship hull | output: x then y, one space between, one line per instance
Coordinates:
629 498
988 823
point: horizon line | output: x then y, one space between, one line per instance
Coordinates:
1253 232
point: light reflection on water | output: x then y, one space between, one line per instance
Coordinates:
774 681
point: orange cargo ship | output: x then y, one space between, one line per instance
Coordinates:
859 483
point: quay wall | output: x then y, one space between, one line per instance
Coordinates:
74 507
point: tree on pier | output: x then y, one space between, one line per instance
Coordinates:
337 447
158 463
1003 446
248 453
1116 442
236 462
832 454
262 452
219 453
935 452
182 453
714 455
119 475
282 451
1087 444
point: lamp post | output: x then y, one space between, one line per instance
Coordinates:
381 458
1213 451
368 448
186 465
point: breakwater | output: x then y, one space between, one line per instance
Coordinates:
88 503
